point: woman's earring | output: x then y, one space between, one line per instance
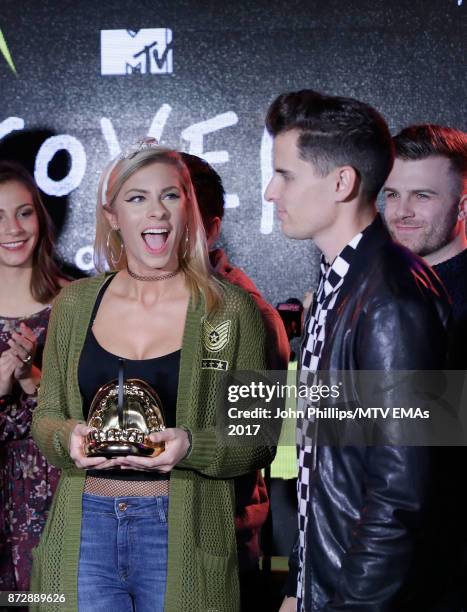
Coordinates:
187 242
114 261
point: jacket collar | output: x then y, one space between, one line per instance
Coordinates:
333 275
374 237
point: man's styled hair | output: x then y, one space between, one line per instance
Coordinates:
336 131
421 141
208 186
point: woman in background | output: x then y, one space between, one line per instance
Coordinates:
29 281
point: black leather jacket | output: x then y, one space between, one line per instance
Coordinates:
367 503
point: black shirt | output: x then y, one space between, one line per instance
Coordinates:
453 273
97 367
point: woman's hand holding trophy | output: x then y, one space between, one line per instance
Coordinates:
176 441
177 446
77 453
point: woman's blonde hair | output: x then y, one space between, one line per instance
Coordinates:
109 251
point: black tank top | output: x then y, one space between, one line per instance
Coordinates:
98 367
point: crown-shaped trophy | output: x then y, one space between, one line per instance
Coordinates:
123 414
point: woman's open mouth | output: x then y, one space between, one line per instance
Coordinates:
155 239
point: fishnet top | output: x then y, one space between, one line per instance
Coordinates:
202 564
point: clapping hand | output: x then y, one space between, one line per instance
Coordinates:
8 364
23 346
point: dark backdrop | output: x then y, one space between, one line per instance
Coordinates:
228 61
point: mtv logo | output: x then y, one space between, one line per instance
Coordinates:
146 51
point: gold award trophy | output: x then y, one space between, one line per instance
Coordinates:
122 414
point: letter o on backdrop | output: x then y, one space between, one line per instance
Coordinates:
45 155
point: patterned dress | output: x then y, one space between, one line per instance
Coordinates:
27 482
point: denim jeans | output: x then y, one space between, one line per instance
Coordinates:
123 554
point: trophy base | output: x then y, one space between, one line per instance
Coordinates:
122 449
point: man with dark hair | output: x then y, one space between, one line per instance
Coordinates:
425 209
252 503
426 206
210 193
377 307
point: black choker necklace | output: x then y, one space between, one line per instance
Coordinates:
153 278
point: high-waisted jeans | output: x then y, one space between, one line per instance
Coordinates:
123 554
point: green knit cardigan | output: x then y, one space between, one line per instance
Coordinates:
202 562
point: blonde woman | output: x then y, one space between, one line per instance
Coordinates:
148 533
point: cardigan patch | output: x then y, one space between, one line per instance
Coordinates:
214 364
216 338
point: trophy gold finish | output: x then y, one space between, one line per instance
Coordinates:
123 414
